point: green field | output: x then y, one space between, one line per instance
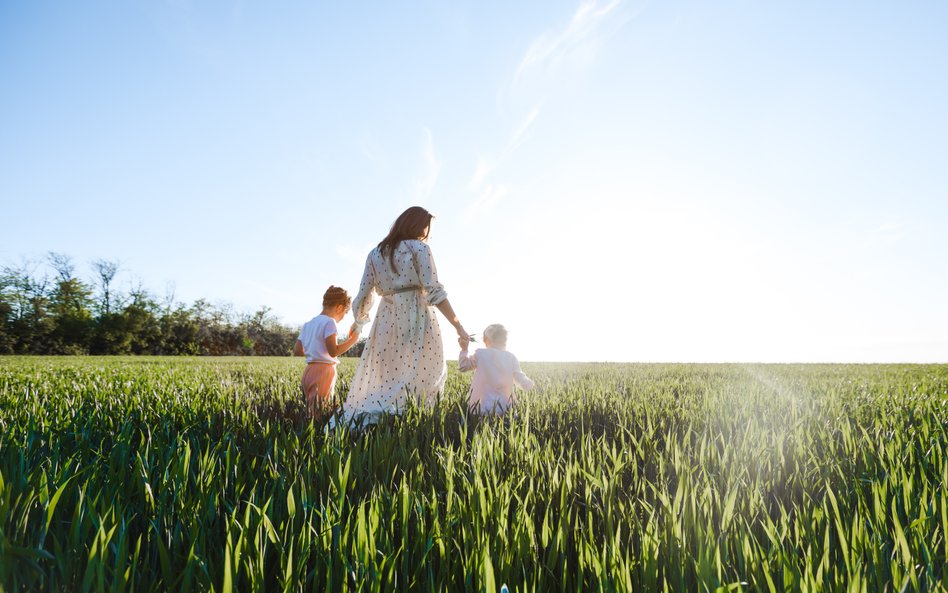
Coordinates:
153 474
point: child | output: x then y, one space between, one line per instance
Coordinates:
318 342
495 371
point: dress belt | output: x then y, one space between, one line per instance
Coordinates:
400 290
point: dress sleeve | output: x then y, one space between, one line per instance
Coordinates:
362 304
467 362
520 378
428 275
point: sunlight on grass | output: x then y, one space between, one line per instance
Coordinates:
201 474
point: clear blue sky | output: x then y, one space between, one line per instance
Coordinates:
650 181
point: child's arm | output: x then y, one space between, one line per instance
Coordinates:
520 378
466 362
335 349
298 349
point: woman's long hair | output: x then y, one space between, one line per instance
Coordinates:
413 223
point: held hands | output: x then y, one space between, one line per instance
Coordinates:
464 338
354 330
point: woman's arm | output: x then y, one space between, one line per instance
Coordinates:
428 274
437 296
448 311
362 304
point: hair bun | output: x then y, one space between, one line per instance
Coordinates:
336 295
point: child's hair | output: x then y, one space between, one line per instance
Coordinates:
496 333
337 296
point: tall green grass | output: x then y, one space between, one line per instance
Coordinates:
153 474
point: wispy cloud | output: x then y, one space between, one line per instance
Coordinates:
889 227
485 166
431 168
576 43
583 33
485 201
890 231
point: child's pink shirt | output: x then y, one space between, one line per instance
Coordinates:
495 372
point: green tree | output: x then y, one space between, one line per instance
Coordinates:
29 324
6 311
180 331
64 315
105 271
71 307
111 335
266 336
143 323
356 350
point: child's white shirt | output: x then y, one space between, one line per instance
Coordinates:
313 337
495 373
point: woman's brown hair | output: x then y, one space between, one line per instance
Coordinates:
337 296
413 223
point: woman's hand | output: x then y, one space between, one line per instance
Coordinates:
448 311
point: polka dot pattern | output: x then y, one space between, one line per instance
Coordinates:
404 355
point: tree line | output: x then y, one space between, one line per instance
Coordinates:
45 308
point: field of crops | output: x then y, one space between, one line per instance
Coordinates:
153 474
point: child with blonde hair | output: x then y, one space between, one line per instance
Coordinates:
495 371
317 341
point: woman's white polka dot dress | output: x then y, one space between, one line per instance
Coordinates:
404 355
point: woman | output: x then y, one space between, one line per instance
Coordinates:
404 355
